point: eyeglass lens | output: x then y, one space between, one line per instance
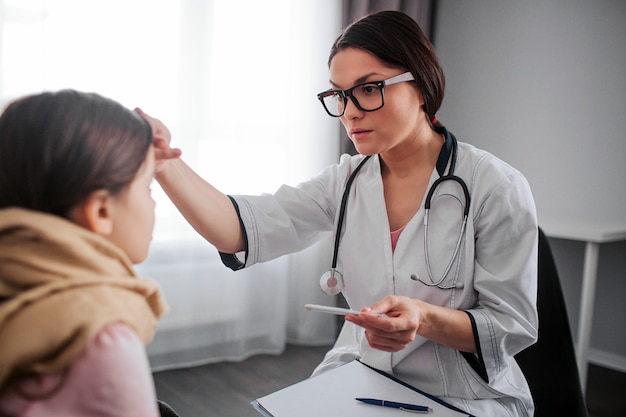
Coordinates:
366 97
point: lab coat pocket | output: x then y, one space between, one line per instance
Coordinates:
477 387
504 385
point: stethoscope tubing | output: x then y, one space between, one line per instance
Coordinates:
448 177
342 210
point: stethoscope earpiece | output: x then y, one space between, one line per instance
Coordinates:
457 285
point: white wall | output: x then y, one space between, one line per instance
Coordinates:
542 85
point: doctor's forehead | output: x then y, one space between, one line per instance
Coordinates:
352 66
359 80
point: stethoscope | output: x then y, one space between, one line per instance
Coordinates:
332 281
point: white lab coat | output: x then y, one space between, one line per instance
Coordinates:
495 273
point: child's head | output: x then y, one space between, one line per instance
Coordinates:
82 157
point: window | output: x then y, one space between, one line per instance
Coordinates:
237 91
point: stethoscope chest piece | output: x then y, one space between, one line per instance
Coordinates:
331 282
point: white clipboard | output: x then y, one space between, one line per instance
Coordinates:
333 393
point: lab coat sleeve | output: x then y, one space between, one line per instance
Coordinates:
231 260
505 319
289 220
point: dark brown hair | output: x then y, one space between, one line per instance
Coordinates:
398 41
57 148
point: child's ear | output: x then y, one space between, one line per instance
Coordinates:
95 213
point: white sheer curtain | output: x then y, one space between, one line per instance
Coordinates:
235 81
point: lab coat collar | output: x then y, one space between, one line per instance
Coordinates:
446 150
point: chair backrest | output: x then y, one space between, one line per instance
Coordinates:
550 364
165 410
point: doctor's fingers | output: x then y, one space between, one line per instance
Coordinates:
161 139
389 342
378 329
162 154
394 305
164 151
159 130
395 322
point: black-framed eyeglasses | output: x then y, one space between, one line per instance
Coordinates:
367 96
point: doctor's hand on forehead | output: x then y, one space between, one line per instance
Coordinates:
407 318
206 208
161 138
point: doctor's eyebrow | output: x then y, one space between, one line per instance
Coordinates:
359 80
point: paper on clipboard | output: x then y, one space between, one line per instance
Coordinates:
333 393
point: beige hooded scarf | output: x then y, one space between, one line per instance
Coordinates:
60 284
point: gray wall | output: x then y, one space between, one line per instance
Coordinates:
542 85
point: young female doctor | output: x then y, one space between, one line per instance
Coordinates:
439 236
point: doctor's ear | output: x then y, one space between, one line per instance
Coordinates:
95 213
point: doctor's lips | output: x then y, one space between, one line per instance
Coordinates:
358 132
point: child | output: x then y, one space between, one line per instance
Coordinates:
75 214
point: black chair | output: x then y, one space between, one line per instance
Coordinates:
165 410
550 364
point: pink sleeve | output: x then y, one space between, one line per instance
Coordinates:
111 378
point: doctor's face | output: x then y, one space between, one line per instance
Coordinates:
398 122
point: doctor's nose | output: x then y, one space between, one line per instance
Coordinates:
352 111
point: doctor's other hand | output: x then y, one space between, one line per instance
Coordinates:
161 138
394 332
408 317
